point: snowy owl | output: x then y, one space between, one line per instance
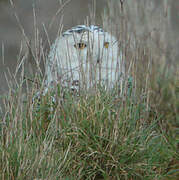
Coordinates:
83 57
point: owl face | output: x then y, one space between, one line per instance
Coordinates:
84 57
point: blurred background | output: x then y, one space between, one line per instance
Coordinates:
159 19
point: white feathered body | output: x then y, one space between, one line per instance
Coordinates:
84 57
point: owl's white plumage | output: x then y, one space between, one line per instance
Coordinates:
83 57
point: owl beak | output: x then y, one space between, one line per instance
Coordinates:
98 59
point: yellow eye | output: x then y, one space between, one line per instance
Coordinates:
80 46
106 44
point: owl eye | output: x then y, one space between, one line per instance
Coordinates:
80 45
106 44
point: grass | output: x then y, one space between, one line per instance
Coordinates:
95 136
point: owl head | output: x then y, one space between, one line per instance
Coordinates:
83 57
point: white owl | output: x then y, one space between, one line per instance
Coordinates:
83 57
